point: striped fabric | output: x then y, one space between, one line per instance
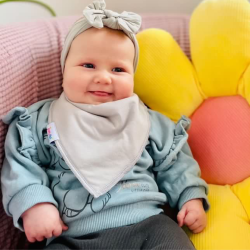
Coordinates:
30 71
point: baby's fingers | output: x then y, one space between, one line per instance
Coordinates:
190 219
30 238
195 225
39 238
198 229
198 225
57 231
181 216
59 228
64 227
48 235
31 235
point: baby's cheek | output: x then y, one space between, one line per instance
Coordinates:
72 88
74 84
124 94
125 90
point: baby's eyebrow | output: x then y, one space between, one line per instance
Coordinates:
86 59
121 63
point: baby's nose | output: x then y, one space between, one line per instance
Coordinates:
102 78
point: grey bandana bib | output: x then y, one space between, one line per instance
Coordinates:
100 143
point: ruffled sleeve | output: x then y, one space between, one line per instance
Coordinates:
24 181
23 125
177 173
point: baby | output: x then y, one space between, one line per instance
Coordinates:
92 169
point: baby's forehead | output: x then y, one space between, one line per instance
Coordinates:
103 33
102 44
104 37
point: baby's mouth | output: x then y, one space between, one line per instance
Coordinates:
100 93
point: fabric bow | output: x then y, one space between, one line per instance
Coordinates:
95 15
98 16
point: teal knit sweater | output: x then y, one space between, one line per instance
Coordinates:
34 172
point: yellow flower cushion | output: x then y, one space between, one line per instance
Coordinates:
228 219
167 81
165 78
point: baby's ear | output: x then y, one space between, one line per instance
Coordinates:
165 79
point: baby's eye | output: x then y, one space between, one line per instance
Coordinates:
88 65
118 70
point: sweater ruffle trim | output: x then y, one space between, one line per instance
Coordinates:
24 127
179 139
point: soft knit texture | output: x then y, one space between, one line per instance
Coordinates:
166 164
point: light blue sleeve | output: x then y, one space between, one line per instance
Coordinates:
23 179
177 173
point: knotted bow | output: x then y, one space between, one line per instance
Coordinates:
95 15
98 16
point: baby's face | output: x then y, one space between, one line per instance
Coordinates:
99 67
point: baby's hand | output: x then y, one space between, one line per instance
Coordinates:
192 215
42 221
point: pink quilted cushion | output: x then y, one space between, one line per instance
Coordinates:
219 139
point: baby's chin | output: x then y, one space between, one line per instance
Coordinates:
91 100
97 100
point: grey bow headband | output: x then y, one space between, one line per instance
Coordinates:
95 15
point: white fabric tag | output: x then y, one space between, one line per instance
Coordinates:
52 132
